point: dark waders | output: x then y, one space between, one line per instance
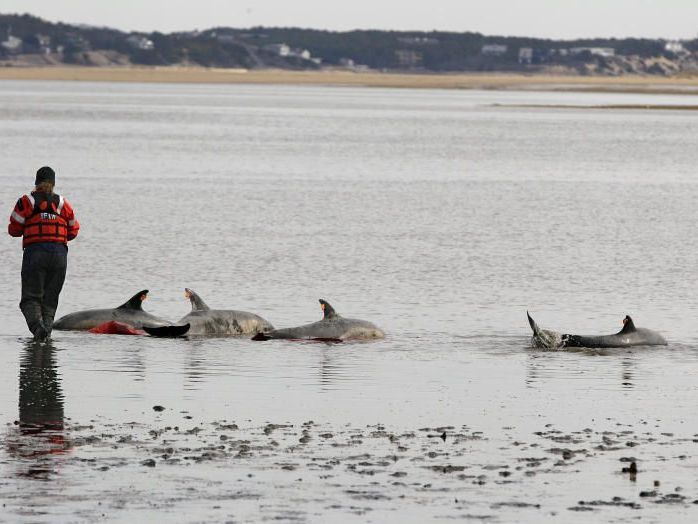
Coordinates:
43 274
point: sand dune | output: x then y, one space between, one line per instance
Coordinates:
640 84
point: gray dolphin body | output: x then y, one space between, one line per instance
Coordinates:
130 313
206 321
332 327
627 337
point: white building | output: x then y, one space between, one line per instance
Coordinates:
675 47
278 49
12 44
140 42
494 49
525 55
417 40
594 51
301 53
44 44
408 58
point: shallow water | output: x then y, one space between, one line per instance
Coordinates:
437 215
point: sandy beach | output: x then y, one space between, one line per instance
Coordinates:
503 81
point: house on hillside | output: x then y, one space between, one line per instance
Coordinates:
675 47
408 58
278 49
303 54
140 42
494 49
525 55
605 52
350 63
36 44
12 45
417 40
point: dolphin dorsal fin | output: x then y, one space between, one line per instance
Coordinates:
328 311
628 325
136 301
196 303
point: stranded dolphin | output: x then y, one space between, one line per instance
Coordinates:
206 321
331 328
626 337
131 313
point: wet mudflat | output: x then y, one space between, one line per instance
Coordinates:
207 452
439 216
225 471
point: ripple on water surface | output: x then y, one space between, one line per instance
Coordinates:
434 214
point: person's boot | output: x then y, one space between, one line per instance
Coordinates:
48 325
40 333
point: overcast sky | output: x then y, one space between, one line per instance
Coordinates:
541 18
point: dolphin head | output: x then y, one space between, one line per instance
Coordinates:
136 301
196 303
327 310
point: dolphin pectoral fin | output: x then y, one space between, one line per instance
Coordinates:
136 301
167 331
261 337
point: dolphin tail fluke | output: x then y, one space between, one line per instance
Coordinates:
544 338
167 331
261 337
533 324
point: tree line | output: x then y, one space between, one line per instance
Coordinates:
249 48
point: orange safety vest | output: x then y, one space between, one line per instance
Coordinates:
46 223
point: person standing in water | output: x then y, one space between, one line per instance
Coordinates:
47 223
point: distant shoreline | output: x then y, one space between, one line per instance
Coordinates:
487 81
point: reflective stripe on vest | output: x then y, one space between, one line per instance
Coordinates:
19 218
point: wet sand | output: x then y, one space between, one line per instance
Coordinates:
496 81
227 470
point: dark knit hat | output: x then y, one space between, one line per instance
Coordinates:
45 174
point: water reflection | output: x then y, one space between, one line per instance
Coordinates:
533 375
133 361
545 365
196 365
330 369
39 434
627 372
